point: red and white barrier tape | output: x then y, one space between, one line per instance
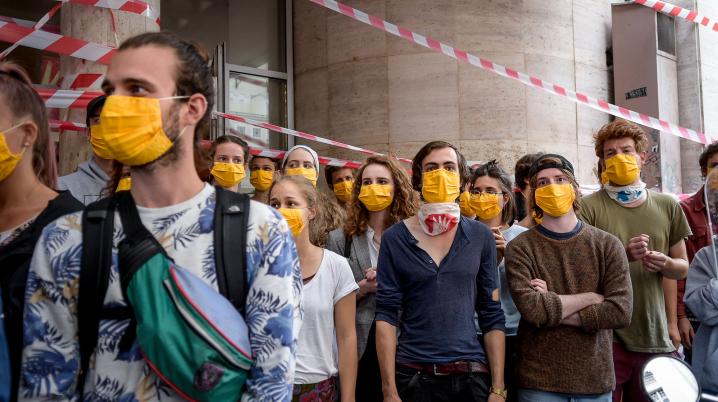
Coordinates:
30 24
507 72
83 81
131 6
66 99
675 11
39 24
252 141
277 154
51 42
323 160
300 134
67 125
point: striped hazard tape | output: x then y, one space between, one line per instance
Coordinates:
30 24
507 72
83 81
295 133
52 42
45 18
675 11
323 160
67 125
130 6
277 154
66 99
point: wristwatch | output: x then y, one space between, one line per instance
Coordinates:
500 392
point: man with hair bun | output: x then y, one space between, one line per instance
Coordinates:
159 99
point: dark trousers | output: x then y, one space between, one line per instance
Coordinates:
368 387
510 370
628 366
414 386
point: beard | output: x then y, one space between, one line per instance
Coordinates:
172 129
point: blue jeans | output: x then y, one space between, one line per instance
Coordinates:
531 395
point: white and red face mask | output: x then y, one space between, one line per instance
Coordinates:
439 218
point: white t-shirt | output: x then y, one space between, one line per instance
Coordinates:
316 352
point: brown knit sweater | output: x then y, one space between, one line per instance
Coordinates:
553 357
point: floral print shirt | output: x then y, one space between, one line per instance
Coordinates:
51 360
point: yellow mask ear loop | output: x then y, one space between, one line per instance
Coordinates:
24 144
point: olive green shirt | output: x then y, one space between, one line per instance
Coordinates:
661 218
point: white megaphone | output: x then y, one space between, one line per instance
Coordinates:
667 379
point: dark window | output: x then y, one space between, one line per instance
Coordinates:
666 34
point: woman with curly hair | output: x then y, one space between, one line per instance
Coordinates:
328 299
382 196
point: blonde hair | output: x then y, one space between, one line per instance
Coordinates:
328 215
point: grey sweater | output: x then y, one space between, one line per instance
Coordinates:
85 184
702 298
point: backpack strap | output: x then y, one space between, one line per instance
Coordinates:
139 244
231 217
97 232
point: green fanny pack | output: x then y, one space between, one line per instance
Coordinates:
189 334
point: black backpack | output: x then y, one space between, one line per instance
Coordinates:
230 239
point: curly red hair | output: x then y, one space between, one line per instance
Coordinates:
404 205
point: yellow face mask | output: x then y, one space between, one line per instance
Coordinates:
99 146
555 200
622 169
125 184
8 160
309 173
227 174
132 129
465 204
486 206
343 190
295 219
261 180
376 197
440 185
604 177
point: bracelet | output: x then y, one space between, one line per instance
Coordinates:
500 392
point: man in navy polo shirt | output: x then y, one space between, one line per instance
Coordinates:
439 268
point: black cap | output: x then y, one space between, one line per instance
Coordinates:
94 107
538 166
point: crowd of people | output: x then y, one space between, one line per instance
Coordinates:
146 275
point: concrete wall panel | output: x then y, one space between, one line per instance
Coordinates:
423 98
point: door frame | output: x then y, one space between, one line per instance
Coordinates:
288 77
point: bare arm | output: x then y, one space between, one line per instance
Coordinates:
672 266
677 267
496 350
386 353
571 304
344 316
